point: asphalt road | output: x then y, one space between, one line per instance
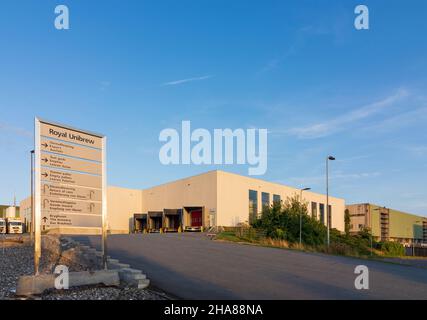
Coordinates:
190 266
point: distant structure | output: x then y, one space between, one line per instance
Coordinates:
388 224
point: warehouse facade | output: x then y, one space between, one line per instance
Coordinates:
387 224
211 199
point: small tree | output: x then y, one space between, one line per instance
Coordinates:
283 221
347 221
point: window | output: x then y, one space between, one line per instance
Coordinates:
253 205
276 198
265 199
314 210
322 213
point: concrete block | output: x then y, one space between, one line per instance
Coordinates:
142 284
30 285
130 270
117 265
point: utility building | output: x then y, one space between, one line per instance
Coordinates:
388 224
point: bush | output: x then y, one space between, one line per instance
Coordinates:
282 221
392 248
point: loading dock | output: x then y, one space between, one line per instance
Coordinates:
194 219
140 222
155 221
172 220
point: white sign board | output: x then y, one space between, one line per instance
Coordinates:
70 179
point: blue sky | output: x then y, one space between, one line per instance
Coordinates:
129 69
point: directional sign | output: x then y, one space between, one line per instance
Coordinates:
70 206
70 182
70 192
65 134
69 149
61 162
65 220
71 178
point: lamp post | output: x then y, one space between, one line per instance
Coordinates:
328 158
32 195
300 217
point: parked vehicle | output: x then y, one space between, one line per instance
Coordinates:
14 225
2 226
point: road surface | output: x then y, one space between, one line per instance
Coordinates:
190 266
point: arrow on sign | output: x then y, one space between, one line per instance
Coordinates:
45 160
45 145
45 175
44 219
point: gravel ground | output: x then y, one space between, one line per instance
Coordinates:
16 259
102 293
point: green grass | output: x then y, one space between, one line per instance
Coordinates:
228 236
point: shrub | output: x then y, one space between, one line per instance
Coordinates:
282 221
390 248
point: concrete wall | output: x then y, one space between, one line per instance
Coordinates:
233 199
196 191
122 205
25 212
223 196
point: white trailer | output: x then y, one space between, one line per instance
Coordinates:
2 226
14 225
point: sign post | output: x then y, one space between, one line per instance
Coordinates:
70 183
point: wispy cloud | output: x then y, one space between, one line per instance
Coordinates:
418 150
104 85
182 81
15 130
315 180
403 119
339 123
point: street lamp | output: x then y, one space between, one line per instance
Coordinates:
300 217
328 158
32 195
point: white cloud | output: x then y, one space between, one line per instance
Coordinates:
400 120
176 82
315 180
15 130
339 123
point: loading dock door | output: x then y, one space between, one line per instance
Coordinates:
155 223
173 219
140 222
196 218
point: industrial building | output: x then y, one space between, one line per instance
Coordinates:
212 199
9 211
388 224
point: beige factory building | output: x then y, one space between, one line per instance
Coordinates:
215 198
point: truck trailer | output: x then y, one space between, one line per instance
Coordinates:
14 225
2 226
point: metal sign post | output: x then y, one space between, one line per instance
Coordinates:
37 196
70 193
